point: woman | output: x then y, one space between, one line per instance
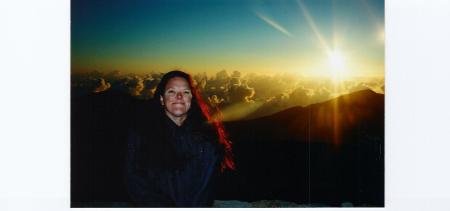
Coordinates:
175 149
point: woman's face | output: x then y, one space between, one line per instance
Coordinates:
177 97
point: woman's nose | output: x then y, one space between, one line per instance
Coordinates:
179 95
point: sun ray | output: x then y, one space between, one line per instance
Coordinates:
313 25
336 61
274 24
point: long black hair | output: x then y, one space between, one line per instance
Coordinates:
163 155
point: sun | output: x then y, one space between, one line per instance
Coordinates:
337 64
336 60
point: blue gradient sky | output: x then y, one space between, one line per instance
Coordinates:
211 35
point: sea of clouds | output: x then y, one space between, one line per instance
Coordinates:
237 95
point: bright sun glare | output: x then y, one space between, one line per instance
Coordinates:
336 61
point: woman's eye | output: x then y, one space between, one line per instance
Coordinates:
187 92
170 92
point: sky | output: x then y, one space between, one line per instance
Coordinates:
306 37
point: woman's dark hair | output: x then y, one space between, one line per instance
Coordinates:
200 112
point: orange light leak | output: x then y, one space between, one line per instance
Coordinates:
336 118
336 125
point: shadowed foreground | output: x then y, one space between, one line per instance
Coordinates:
326 154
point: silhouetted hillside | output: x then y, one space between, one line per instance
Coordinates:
320 122
327 153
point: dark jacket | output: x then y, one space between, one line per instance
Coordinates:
171 166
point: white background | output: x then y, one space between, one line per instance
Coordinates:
35 105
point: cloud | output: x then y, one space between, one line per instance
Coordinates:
358 87
321 94
222 76
269 86
134 85
200 80
215 101
301 96
101 86
240 93
149 89
201 84
238 90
